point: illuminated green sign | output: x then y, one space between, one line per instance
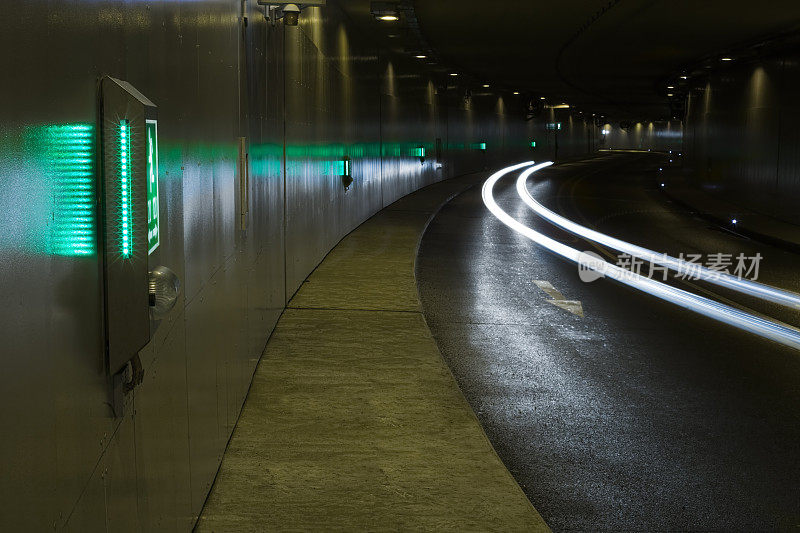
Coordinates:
419 151
126 203
153 230
553 125
533 144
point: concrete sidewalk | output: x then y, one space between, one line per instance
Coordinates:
353 420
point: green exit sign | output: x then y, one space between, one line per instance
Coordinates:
153 230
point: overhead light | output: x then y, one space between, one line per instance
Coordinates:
542 98
684 77
670 86
485 85
454 73
561 106
734 221
669 94
420 56
726 59
386 11
515 92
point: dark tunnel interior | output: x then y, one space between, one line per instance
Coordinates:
362 265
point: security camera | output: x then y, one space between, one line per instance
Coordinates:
288 11
291 14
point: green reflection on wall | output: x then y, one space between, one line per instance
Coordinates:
67 152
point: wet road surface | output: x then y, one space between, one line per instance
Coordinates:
639 415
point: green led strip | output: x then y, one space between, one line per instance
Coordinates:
126 204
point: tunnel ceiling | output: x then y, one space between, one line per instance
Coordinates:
610 57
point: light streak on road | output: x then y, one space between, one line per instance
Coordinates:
769 329
696 271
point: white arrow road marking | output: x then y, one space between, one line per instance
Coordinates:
573 306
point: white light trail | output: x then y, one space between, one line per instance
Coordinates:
769 329
723 279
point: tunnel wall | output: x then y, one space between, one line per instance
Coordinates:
741 140
661 136
303 98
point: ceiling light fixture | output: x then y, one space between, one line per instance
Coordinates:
454 73
420 56
726 59
515 92
385 11
684 77
485 85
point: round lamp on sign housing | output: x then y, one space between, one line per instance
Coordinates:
163 287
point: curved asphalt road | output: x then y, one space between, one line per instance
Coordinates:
641 415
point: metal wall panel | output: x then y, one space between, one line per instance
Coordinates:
317 92
741 142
